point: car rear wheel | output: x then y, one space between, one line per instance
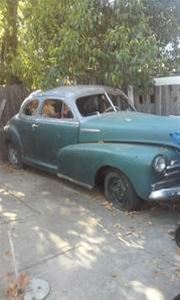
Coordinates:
14 156
120 192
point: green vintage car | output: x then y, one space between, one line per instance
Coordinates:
92 135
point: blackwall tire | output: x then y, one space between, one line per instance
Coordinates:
119 191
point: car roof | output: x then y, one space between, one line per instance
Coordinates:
72 91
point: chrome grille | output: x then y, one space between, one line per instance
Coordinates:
173 169
170 177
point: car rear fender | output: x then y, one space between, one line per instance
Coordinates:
11 135
83 162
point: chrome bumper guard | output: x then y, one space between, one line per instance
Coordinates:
166 194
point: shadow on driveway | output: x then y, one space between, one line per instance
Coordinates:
84 247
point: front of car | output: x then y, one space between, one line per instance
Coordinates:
154 139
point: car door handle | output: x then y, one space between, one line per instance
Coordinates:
34 126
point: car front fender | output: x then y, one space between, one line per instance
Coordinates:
82 162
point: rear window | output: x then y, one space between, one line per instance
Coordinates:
31 108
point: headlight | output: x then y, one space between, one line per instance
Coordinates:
159 163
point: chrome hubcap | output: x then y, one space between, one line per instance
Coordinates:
117 189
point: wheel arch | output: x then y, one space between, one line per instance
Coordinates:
101 174
12 136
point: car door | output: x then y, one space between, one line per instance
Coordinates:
56 129
26 125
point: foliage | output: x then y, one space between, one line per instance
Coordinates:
97 41
164 20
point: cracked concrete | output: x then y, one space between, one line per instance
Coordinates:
85 249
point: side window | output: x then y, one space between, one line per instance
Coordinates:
57 109
31 108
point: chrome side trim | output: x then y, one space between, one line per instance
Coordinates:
88 186
57 121
165 194
90 130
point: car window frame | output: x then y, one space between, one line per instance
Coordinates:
116 91
62 120
94 94
25 104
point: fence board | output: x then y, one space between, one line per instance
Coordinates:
174 100
178 100
14 95
2 107
158 100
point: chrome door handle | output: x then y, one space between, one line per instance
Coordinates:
35 125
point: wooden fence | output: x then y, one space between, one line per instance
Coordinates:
161 100
14 95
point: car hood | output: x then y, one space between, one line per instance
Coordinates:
130 127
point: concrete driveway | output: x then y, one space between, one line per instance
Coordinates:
83 247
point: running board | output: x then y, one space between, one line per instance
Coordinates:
85 185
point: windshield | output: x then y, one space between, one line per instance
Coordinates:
94 104
101 103
120 102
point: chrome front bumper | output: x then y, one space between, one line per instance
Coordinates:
172 193
168 187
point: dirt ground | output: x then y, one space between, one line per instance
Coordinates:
83 247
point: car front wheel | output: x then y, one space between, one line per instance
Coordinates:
14 156
120 192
